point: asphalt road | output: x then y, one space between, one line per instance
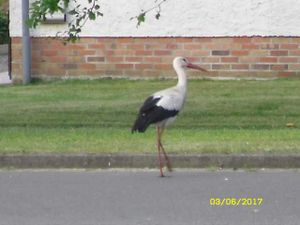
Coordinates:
138 197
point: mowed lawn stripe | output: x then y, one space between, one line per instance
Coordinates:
96 116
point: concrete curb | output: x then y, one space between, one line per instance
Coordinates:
146 161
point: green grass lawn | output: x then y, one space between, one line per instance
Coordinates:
96 116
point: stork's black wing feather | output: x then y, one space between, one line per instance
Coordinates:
151 113
149 104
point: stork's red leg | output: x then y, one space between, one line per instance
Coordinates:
169 165
159 155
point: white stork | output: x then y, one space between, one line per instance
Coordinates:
163 106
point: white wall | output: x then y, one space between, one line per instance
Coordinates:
184 18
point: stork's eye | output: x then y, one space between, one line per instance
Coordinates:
184 60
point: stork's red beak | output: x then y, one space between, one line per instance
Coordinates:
196 67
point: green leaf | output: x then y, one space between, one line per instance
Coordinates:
141 18
31 23
52 5
92 15
73 12
157 16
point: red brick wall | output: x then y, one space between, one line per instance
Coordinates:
152 57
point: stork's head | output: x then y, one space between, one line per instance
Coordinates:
184 63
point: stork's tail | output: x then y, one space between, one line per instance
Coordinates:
140 125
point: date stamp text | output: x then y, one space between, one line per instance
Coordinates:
231 201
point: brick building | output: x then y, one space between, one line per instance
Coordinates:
231 38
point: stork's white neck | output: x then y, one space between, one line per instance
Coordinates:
181 73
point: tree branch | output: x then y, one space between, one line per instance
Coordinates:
80 14
142 16
40 8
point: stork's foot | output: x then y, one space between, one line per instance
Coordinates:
167 160
161 172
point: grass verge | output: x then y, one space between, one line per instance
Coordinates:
96 117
